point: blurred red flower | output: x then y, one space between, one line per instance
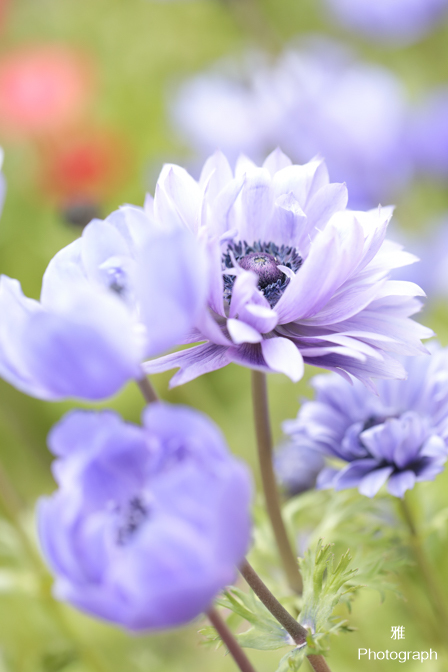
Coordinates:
89 163
42 88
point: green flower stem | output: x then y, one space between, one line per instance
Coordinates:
12 506
297 632
433 589
235 650
147 389
264 444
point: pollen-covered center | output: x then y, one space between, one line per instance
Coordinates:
263 259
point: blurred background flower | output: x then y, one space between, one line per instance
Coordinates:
391 20
118 61
43 89
315 100
82 169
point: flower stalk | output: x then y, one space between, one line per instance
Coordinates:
440 610
264 445
147 389
235 650
297 632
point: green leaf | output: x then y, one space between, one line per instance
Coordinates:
266 633
324 586
12 580
292 661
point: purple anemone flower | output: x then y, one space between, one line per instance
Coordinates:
294 276
89 333
402 21
297 468
149 523
399 436
315 100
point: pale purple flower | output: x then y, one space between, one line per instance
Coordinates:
297 467
149 523
294 276
428 135
431 246
124 291
314 100
399 436
400 21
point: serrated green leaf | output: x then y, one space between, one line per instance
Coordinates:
292 661
324 586
266 633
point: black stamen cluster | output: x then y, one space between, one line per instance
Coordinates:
131 518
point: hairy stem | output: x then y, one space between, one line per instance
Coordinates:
147 390
12 505
433 589
235 650
297 632
264 444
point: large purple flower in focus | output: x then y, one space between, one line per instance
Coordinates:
148 524
399 437
294 276
391 20
315 100
124 291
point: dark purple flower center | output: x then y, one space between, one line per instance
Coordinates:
130 519
264 265
264 260
374 420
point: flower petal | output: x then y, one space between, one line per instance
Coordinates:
281 355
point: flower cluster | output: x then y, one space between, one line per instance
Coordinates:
149 523
399 436
265 267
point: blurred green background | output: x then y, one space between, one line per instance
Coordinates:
138 48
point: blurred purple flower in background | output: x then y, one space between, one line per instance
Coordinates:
428 135
297 467
398 21
431 246
294 276
124 291
148 524
316 100
399 436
